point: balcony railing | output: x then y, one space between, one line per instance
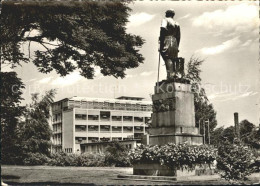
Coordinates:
115 106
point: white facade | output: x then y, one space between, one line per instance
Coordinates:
80 120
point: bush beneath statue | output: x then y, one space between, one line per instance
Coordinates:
173 160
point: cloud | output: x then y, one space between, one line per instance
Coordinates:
45 80
129 76
184 17
228 96
6 68
238 18
33 79
227 45
147 73
139 19
70 79
248 42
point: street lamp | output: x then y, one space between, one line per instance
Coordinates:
204 129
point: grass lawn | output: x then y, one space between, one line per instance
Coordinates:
47 175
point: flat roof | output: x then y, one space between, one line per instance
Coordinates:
129 97
109 100
101 142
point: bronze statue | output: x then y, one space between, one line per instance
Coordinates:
169 45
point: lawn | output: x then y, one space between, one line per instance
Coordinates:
23 175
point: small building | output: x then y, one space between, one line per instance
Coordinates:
82 120
100 147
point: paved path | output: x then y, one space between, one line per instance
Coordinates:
92 176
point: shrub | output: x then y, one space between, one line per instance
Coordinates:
234 161
117 155
91 160
181 156
86 160
63 159
36 159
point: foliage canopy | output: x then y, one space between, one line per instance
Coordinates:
204 110
73 35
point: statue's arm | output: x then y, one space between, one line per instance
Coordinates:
162 33
162 37
178 35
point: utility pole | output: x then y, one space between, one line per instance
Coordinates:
204 133
199 126
208 131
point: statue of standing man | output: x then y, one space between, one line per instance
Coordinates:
169 45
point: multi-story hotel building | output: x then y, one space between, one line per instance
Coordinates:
82 120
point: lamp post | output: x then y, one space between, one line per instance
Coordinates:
208 130
204 132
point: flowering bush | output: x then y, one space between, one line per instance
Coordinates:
235 161
35 159
181 156
84 160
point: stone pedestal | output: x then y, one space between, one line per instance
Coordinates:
173 118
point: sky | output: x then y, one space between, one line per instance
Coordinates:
225 34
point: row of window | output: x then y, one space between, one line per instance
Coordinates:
57 139
57 127
80 140
107 128
68 150
109 106
57 117
105 116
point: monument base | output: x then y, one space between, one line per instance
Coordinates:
173 117
164 139
155 169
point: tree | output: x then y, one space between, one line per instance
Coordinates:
245 129
254 139
204 110
11 112
216 136
92 34
35 132
117 154
228 134
234 161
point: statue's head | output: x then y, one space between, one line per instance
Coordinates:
170 13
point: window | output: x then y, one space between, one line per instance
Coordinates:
147 120
77 104
138 119
80 116
79 140
104 139
116 139
71 103
116 118
104 128
84 104
80 128
92 128
116 129
106 105
128 106
143 107
104 115
90 105
137 107
128 129
93 139
97 105
117 106
127 118
138 129
93 117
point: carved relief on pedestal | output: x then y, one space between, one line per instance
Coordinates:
164 105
